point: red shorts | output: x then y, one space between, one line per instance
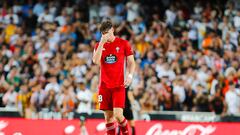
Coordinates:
110 98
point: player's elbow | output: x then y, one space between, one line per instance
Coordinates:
94 60
132 64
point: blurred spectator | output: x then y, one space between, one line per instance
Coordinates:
38 8
178 90
38 98
11 17
236 21
225 26
230 10
9 30
218 105
23 99
233 100
133 10
201 101
30 22
17 7
61 19
46 16
170 15
148 101
189 101
52 85
66 100
105 10
50 101
84 98
10 98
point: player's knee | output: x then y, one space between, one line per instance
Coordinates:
118 114
109 118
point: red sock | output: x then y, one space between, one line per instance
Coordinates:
124 127
110 128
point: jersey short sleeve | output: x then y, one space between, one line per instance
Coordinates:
128 49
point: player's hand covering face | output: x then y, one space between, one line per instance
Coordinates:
104 38
106 35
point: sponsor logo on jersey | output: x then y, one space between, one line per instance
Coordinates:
110 59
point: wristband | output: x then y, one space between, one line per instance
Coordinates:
130 76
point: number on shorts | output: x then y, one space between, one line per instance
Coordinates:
99 98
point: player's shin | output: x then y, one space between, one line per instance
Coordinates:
111 128
124 127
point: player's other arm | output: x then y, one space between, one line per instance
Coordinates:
130 70
130 66
97 54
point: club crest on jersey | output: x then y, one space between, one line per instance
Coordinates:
117 49
110 59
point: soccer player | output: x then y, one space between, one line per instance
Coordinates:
110 54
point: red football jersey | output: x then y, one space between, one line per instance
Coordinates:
112 62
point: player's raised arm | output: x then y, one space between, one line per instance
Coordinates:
97 54
107 36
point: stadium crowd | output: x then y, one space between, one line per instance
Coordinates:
187 54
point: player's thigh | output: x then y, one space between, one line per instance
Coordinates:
118 97
109 117
105 99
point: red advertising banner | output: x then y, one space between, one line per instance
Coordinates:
12 126
18 126
96 127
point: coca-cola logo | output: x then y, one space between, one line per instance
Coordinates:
192 129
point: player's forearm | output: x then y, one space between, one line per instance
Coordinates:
98 54
131 67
